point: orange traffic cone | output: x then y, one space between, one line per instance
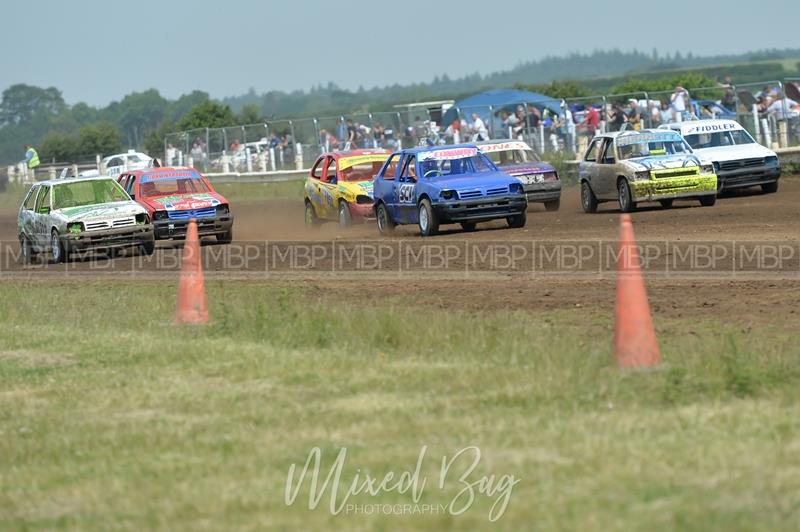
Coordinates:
634 337
192 307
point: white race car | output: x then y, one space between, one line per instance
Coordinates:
739 161
122 162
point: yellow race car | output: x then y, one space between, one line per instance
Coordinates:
339 186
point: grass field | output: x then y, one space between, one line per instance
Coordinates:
113 418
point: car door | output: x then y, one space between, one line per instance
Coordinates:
328 188
27 215
41 217
606 171
406 190
130 186
588 168
314 185
384 186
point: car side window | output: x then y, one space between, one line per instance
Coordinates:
43 200
316 172
409 172
390 170
608 153
129 187
330 173
30 199
593 151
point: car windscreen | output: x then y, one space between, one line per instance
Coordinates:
649 145
82 193
454 161
720 138
360 167
177 185
510 157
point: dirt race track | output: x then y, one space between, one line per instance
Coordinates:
738 260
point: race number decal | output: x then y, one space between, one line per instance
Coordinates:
406 193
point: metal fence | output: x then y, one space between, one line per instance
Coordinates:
548 125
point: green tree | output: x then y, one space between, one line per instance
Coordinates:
250 114
559 89
20 103
154 140
208 114
102 138
59 147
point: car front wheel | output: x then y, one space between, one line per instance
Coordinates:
428 223
344 215
311 216
385 223
224 238
626 203
57 249
588 199
26 249
518 220
708 201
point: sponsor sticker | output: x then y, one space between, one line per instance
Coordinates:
448 154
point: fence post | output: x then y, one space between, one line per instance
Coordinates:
272 158
756 124
52 172
262 160
75 169
316 132
491 122
206 153
647 110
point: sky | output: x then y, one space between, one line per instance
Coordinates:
97 51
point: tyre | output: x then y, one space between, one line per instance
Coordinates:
223 238
385 223
626 203
311 216
149 246
468 226
26 250
770 188
345 219
518 220
428 223
666 203
57 249
708 201
588 199
553 205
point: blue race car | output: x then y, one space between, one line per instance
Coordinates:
437 185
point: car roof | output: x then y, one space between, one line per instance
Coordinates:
74 180
422 149
709 125
635 132
351 153
161 169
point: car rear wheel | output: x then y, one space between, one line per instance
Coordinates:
311 216
626 203
468 226
345 219
770 188
57 249
552 205
666 203
588 199
385 223
428 223
708 201
518 220
226 237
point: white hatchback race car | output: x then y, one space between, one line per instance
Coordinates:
739 161
85 213
122 162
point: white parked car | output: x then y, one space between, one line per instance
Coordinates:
122 162
739 161
83 213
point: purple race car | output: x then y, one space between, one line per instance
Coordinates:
517 159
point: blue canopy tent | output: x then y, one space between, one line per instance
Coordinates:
488 104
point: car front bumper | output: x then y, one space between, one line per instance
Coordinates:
748 177
360 212
659 188
541 192
481 209
176 229
107 239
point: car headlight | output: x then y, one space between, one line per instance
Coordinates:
142 218
771 160
707 169
645 174
448 194
716 167
160 215
75 227
362 199
223 209
516 188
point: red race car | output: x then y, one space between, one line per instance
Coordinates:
173 196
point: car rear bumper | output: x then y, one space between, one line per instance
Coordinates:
541 192
674 187
110 238
176 229
483 209
748 177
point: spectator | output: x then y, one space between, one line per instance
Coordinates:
31 157
783 108
453 131
479 131
591 120
632 115
377 134
568 127
667 116
729 97
341 129
679 102
616 118
352 135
